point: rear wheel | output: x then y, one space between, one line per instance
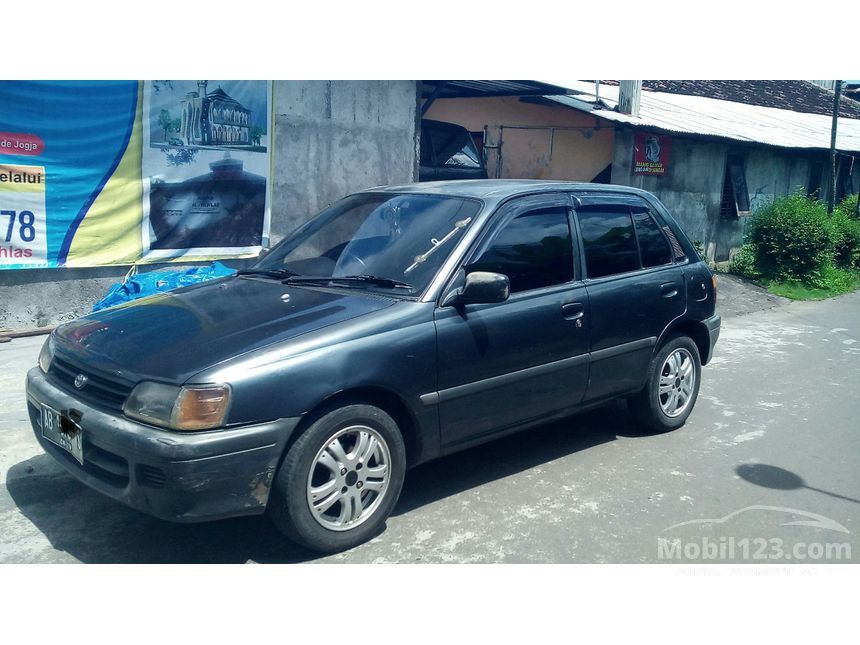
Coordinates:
340 480
672 387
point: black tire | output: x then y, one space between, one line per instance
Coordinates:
646 404
289 506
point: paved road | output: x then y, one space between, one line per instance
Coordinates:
768 462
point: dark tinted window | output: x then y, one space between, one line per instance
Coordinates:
609 241
534 250
426 149
653 245
453 146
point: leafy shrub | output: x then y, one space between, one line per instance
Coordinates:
700 249
791 238
845 233
743 263
848 207
835 280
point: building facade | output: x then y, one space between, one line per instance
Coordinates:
730 147
214 119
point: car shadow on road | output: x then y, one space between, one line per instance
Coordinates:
94 529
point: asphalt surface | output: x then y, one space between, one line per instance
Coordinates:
765 470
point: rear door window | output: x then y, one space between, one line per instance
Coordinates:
653 245
609 240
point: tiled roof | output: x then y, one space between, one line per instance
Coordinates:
798 96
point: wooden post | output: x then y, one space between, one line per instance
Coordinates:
831 198
629 97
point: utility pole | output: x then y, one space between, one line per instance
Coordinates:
831 197
629 97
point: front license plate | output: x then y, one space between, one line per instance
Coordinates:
52 430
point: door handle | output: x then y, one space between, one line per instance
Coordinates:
669 289
573 310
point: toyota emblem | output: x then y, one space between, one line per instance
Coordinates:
80 381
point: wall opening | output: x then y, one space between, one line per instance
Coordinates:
816 172
735 199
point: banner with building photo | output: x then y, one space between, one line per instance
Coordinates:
96 173
206 162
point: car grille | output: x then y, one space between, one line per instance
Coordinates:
151 476
99 391
105 465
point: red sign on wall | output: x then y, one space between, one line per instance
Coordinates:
650 153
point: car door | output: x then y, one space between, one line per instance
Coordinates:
635 289
507 363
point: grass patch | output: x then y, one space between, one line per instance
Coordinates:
835 282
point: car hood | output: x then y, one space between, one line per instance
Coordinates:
174 335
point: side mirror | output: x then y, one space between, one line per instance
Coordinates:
481 287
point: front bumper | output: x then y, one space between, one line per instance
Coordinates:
713 326
176 476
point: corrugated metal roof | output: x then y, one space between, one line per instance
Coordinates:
464 89
697 115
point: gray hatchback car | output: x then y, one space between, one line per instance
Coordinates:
401 324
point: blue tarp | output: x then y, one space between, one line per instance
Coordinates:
140 285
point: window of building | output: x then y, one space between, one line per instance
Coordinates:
609 240
534 250
736 199
816 171
844 185
654 248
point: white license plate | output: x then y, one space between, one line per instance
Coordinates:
52 430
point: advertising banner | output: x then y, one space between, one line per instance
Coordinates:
650 153
96 173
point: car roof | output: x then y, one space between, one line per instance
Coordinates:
499 189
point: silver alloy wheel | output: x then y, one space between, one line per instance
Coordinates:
677 382
349 478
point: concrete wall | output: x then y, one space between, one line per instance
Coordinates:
331 138
772 174
692 187
336 137
532 141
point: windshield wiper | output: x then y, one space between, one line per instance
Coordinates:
366 279
376 280
278 274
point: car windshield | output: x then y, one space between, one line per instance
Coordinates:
374 241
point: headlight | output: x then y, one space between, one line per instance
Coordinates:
46 355
180 408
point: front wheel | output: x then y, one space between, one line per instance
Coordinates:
340 480
672 387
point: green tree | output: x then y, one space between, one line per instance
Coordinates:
256 135
165 123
